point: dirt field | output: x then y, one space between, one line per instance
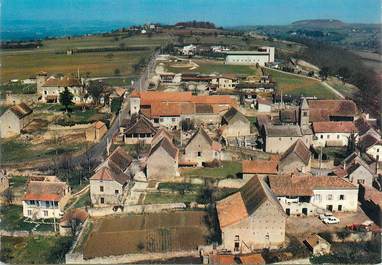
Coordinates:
147 233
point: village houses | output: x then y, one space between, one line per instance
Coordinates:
201 148
163 158
251 219
138 129
259 167
14 119
45 198
356 170
317 245
296 159
308 195
333 133
110 182
235 124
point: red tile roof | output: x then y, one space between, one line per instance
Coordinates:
303 185
41 197
322 110
45 190
334 127
252 259
259 166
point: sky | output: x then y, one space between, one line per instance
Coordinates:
221 12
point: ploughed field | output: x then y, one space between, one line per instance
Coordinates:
160 232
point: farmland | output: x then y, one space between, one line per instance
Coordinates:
52 57
298 85
147 233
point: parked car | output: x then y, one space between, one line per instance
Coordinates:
325 215
331 220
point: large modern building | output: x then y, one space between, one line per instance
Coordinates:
261 56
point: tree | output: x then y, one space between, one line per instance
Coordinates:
344 73
66 98
117 71
324 72
8 195
95 89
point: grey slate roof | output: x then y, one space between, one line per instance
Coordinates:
283 131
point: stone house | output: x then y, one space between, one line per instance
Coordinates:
371 144
279 138
226 82
263 104
317 245
96 131
309 195
139 129
201 148
53 86
162 162
330 133
354 169
235 124
110 182
296 159
45 199
4 181
14 119
245 218
259 167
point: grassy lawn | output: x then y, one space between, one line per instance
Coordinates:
162 198
186 193
82 117
13 150
229 168
346 89
298 85
34 250
83 201
18 88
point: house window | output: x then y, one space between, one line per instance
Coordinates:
317 197
32 202
267 236
173 119
328 136
156 120
361 181
116 191
45 213
101 188
161 119
237 243
338 136
329 197
322 137
102 200
199 154
339 208
305 113
342 197
29 212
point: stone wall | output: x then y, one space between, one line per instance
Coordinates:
77 258
136 209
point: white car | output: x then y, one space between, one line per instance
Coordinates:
331 220
325 215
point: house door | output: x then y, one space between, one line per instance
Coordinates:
305 211
339 208
329 207
287 210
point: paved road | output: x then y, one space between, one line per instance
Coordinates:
97 150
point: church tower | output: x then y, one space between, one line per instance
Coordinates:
304 114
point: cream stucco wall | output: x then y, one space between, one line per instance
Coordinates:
109 194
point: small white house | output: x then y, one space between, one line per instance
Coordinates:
330 133
188 50
13 120
263 104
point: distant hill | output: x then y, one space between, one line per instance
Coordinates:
319 23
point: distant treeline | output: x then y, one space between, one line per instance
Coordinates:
350 68
20 44
196 24
107 49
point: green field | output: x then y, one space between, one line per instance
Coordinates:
34 250
228 169
13 151
299 85
52 57
18 88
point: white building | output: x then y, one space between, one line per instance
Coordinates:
262 56
13 120
45 199
188 50
331 133
309 195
